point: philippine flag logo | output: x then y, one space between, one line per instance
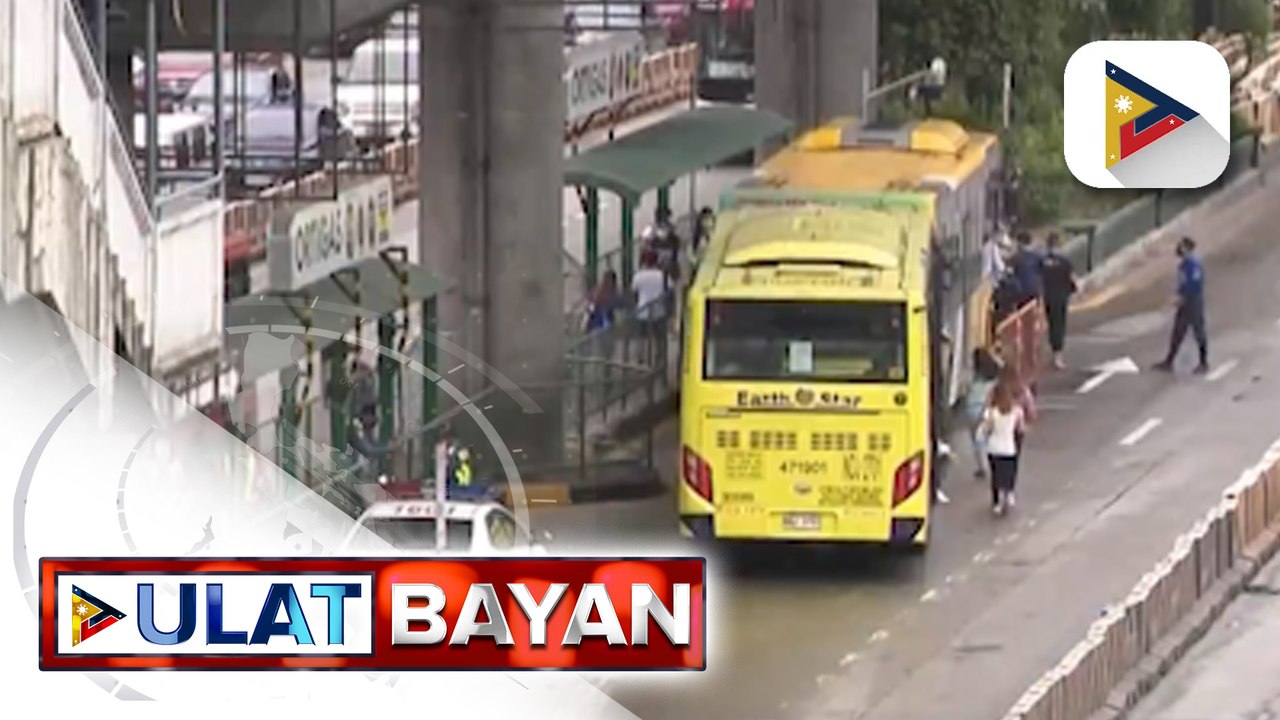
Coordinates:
90 616
1164 120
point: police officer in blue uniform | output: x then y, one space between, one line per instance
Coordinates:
1190 308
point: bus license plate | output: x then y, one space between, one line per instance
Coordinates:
802 521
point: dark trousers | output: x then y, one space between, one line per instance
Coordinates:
1190 315
1004 475
1056 313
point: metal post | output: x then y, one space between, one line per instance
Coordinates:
442 465
628 241
386 381
333 91
297 95
339 395
219 121
866 95
153 101
593 237
1006 105
287 431
430 359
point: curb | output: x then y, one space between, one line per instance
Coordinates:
640 483
1126 653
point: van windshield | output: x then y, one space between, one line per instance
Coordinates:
862 342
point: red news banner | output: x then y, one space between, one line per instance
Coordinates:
373 614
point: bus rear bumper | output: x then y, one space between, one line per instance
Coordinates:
903 532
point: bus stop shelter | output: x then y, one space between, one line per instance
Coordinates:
326 316
655 157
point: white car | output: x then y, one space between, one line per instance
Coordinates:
482 529
378 98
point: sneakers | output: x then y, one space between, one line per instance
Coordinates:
1163 366
944 450
1059 363
1010 500
980 474
997 509
1201 369
941 497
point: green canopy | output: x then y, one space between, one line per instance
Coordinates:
660 154
329 309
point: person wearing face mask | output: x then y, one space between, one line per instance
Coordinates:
1190 313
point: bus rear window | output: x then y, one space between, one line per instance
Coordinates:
792 340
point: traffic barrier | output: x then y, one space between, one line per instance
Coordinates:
667 77
1134 643
1019 338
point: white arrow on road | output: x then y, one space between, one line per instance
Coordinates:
1106 371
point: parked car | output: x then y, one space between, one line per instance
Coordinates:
378 98
265 154
257 86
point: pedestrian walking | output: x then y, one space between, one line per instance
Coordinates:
1190 313
1002 424
986 372
993 265
702 228
1022 394
1026 266
606 300
1058 284
650 289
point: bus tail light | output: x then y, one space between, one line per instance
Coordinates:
696 473
908 478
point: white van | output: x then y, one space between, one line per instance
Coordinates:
378 98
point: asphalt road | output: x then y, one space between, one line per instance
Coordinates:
1110 478
1233 673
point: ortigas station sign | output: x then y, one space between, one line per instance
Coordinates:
602 74
325 237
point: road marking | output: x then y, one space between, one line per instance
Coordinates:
983 557
5 357
457 368
1106 371
878 636
1222 370
314 301
1142 431
849 659
929 596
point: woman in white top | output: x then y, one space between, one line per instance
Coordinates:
1003 423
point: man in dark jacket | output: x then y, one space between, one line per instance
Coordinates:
1027 266
1190 308
1058 283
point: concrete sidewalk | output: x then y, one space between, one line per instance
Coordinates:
1233 673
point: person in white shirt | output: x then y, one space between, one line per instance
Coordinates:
993 265
1002 425
649 288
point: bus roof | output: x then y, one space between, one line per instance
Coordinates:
843 155
791 249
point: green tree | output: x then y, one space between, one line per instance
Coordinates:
1164 19
1253 18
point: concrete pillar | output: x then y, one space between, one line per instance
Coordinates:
810 57
491 218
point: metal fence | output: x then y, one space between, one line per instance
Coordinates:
1093 243
570 433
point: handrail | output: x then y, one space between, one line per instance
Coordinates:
73 29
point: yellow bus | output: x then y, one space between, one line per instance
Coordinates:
822 335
